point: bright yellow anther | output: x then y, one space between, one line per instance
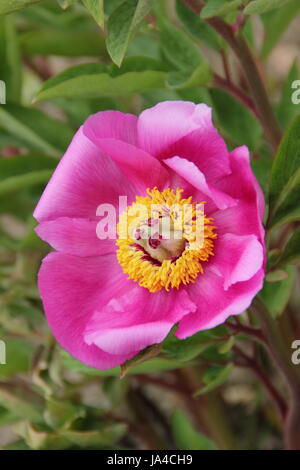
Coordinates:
163 239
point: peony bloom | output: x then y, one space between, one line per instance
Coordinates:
107 299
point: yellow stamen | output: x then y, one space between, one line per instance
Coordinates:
162 261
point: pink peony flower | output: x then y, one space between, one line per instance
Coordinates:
107 299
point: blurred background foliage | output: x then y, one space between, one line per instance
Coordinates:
62 61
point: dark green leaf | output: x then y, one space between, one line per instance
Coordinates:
291 253
276 294
214 377
123 23
196 27
178 48
285 178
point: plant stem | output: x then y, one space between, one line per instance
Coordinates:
279 354
275 396
250 69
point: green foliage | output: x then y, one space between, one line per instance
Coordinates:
123 23
262 6
185 435
285 178
62 61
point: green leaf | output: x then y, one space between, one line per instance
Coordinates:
291 253
214 377
19 405
82 82
285 178
36 129
276 22
286 109
180 80
61 413
262 6
262 168
238 123
10 61
41 440
140 358
277 294
152 365
122 25
200 30
96 9
16 183
178 48
19 354
22 164
66 3
276 275
219 8
63 43
186 437
14 5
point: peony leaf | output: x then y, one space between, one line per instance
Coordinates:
122 25
91 81
200 30
276 22
284 190
287 110
95 7
261 6
37 130
14 5
186 437
214 377
178 48
291 253
180 80
219 8
276 294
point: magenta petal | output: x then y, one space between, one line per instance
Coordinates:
143 170
237 258
75 237
246 217
83 179
215 304
191 173
161 126
111 125
72 289
137 319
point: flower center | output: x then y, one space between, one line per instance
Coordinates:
163 239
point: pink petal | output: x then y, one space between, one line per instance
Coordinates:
246 217
191 173
143 170
72 289
75 237
112 125
237 258
83 179
215 304
206 148
137 319
167 122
